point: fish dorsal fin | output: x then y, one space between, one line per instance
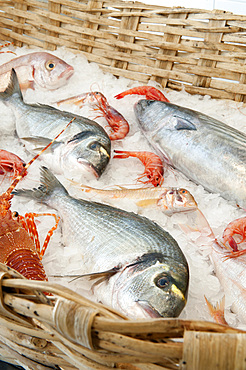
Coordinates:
184 124
13 87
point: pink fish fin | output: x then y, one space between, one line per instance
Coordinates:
146 202
198 223
217 311
27 85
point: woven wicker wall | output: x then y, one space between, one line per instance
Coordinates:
204 51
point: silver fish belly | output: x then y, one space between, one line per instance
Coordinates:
206 150
146 273
84 145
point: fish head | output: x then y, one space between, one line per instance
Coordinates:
177 200
147 113
158 290
49 71
86 150
154 115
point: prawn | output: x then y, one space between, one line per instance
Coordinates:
5 45
98 101
150 93
152 162
10 162
19 243
236 227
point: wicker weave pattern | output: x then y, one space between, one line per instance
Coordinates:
204 51
68 330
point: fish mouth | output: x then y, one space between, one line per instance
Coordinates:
68 72
90 167
148 310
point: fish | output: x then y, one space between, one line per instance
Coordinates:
169 200
36 69
137 267
207 151
84 147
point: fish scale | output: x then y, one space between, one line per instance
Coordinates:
126 250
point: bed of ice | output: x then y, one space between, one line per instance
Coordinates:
60 260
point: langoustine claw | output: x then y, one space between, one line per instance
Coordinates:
150 93
152 162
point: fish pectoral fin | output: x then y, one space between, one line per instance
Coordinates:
184 124
147 202
99 276
40 142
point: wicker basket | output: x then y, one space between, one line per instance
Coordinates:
201 51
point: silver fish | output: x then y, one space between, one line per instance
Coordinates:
36 69
84 144
139 267
204 149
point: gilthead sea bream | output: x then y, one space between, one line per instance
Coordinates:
204 149
137 266
85 144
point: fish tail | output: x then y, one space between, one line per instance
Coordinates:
12 88
48 184
217 311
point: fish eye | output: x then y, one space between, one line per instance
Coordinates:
162 282
50 65
184 191
93 146
15 214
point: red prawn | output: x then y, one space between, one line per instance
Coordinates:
150 93
11 163
98 101
236 227
19 243
153 165
5 45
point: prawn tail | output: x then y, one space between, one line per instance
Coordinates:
217 311
48 184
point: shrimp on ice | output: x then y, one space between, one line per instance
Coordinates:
150 93
236 227
10 163
153 165
6 45
98 101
